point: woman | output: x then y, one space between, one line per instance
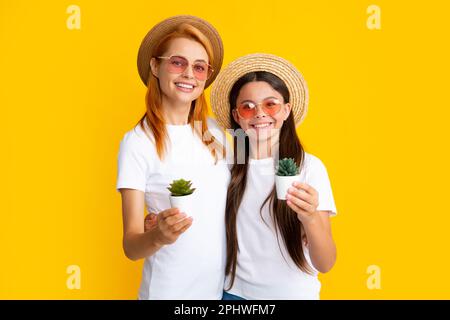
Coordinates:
275 248
177 60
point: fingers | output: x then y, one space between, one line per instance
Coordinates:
306 187
174 226
171 223
182 226
303 205
304 192
150 217
150 221
294 207
169 212
183 229
175 218
300 194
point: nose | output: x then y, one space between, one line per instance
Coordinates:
188 73
260 112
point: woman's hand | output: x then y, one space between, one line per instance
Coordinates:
304 200
150 221
169 225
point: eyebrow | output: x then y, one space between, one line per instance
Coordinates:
262 99
180 55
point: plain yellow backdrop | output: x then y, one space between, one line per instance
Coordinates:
378 119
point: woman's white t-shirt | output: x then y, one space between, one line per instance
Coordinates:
263 270
193 266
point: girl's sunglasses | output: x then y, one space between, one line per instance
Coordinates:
248 110
178 64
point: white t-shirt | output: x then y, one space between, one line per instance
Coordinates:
263 270
193 266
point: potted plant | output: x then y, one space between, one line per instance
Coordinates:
286 173
181 195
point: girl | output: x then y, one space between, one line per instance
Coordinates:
275 248
177 60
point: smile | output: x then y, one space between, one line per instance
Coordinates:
184 85
261 125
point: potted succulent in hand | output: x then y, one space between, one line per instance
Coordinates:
286 174
181 195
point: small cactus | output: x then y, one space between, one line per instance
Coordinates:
180 188
287 167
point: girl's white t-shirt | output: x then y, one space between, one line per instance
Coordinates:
193 266
263 270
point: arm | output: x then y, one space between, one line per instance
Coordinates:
303 199
138 244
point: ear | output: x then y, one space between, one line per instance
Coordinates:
287 110
154 67
236 116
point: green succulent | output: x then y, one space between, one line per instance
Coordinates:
180 187
287 167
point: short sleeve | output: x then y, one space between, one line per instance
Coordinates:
317 177
132 166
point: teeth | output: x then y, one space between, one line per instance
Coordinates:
263 125
183 85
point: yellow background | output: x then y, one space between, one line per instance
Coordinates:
378 119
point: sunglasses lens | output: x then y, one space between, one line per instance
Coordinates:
271 106
247 110
177 64
201 70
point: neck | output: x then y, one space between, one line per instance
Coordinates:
175 113
264 149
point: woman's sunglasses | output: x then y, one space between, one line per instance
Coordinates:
178 64
248 109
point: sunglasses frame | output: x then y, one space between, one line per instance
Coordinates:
259 104
210 69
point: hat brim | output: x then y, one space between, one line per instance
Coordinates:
153 37
280 67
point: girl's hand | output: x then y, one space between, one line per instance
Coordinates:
304 200
170 224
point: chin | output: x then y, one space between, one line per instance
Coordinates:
261 135
186 98
186 101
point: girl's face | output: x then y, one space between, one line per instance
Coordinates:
184 87
261 125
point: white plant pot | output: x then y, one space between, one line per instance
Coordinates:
184 203
283 183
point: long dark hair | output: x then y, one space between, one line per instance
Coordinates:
285 219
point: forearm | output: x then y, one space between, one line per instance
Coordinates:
141 245
322 249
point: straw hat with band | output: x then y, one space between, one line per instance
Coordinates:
220 92
155 35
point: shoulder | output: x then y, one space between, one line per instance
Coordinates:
313 162
219 134
136 140
216 130
214 127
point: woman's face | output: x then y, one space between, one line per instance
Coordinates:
261 126
181 88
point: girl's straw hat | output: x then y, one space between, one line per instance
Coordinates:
283 69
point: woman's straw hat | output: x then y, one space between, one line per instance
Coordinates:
155 35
